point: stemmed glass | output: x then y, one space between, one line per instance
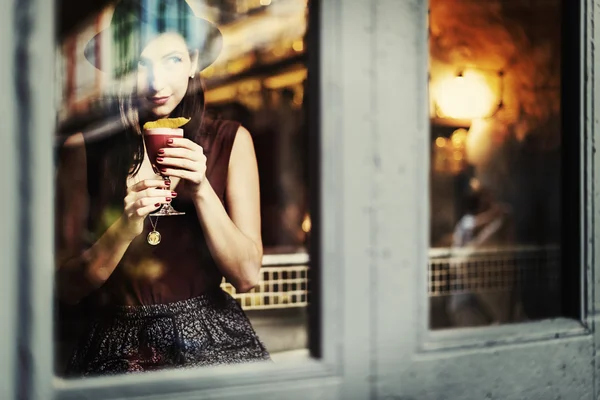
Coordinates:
156 139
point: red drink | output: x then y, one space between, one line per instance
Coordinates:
156 139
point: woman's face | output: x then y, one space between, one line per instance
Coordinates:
164 69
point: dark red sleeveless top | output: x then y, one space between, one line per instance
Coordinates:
181 266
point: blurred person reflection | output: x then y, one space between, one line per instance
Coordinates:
486 223
158 305
462 186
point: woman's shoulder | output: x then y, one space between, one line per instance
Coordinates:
221 127
219 134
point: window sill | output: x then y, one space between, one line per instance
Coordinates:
501 335
191 383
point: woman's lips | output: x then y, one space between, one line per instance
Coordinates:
159 100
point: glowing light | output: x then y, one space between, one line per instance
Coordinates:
464 97
440 142
286 79
306 224
459 137
265 2
278 51
479 144
298 99
298 45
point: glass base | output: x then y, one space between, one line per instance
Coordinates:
166 210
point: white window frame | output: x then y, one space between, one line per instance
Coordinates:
9 228
346 167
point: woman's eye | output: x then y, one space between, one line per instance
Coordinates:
142 63
174 60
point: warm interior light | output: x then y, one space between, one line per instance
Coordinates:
479 144
466 96
459 138
306 225
440 142
285 79
298 45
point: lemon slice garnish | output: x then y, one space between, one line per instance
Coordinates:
172 123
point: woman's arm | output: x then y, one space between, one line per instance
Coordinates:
75 267
234 239
86 271
80 271
488 216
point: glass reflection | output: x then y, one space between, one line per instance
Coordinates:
138 291
495 174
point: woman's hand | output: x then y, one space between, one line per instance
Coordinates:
143 198
183 159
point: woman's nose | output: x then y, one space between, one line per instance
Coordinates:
156 79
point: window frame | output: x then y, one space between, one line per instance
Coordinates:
502 361
344 338
577 185
10 228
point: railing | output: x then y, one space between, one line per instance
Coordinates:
283 284
284 277
454 271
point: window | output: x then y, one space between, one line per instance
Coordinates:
369 240
257 77
497 155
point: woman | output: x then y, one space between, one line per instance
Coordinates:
160 306
485 223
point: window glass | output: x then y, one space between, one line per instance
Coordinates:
496 154
182 218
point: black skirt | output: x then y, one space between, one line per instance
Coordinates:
204 331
